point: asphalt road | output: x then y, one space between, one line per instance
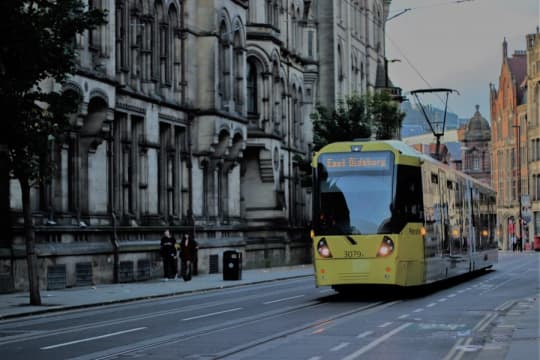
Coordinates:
292 319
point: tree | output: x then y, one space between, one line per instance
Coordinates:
386 114
348 121
355 118
36 48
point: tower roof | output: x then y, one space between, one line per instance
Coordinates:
478 128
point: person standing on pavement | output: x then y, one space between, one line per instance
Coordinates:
168 254
188 252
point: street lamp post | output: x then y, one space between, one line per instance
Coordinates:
386 61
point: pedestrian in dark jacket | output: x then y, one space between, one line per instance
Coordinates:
188 252
168 254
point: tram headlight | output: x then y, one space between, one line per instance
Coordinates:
323 249
386 247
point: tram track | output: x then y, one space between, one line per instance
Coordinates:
232 324
28 335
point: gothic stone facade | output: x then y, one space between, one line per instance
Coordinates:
194 116
351 47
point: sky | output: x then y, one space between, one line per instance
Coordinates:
455 44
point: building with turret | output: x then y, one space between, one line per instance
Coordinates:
475 139
509 127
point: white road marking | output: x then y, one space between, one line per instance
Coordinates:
385 324
485 325
364 334
453 350
315 358
284 299
443 300
505 305
92 338
499 285
418 310
403 316
374 343
485 320
340 346
431 305
326 291
466 347
451 295
211 314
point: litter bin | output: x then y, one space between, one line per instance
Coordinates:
232 265
537 243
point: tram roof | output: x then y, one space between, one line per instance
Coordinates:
400 146
397 145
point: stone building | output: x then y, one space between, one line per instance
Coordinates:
509 127
475 140
194 116
351 48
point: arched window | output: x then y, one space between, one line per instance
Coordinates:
295 114
276 98
476 162
96 36
283 107
269 12
134 32
252 106
276 14
299 115
362 76
299 42
355 15
164 60
293 28
238 69
367 21
122 31
354 73
224 66
340 72
173 60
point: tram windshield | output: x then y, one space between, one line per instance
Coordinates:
355 193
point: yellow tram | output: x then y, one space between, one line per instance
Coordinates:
384 213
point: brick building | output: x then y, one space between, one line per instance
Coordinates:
533 120
509 142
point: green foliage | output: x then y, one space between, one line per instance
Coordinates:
349 120
386 115
37 43
355 118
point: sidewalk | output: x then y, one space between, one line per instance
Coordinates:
16 304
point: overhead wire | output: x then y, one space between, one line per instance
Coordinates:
377 23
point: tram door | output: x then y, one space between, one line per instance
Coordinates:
443 206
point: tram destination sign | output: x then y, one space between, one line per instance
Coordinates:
370 161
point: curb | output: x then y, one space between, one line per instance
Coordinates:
139 298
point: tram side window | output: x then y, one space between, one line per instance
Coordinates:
408 203
492 222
